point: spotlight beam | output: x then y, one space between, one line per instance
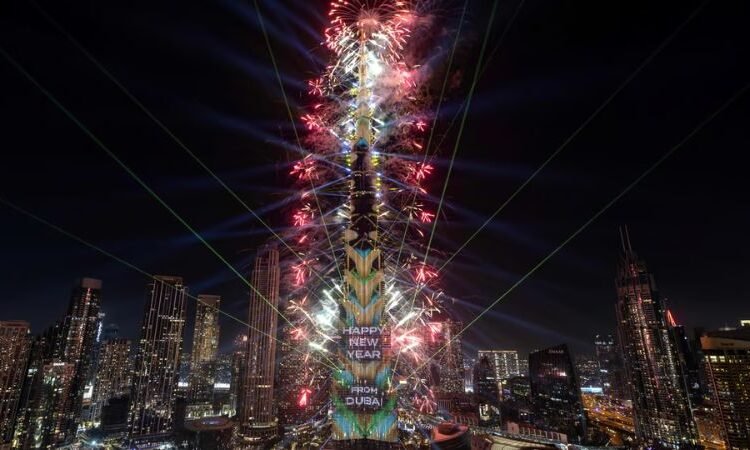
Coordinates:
578 130
126 263
434 123
294 127
16 65
737 94
166 130
474 82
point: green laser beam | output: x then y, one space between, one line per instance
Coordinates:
461 127
294 129
601 211
578 130
429 139
168 131
435 119
135 177
126 263
474 82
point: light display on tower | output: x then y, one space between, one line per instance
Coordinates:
363 287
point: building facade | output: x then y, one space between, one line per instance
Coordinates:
556 393
503 362
51 405
113 376
303 383
15 344
653 370
29 417
486 392
153 395
727 364
80 328
447 366
203 357
258 412
610 366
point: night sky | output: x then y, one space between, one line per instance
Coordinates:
203 69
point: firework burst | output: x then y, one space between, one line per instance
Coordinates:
371 90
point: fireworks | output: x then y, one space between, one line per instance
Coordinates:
368 93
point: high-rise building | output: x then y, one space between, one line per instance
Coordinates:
689 360
113 374
610 366
158 359
80 328
556 393
503 362
87 410
57 388
239 366
206 334
303 382
258 417
44 416
516 405
727 363
519 389
588 373
653 371
203 356
447 366
31 416
486 391
15 344
52 397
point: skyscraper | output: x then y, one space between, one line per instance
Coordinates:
158 359
486 391
303 382
503 362
654 374
52 398
610 366
556 393
239 367
206 334
32 416
203 357
87 410
447 367
727 363
80 328
14 352
257 418
53 416
113 374
688 360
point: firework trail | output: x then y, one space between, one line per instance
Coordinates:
362 188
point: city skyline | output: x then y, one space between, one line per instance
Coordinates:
578 343
375 224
